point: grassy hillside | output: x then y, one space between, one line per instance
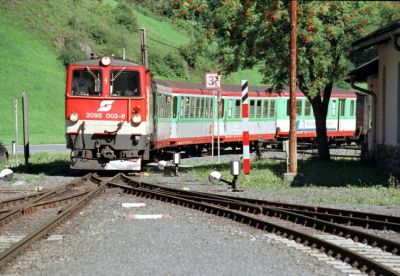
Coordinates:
38 36
28 65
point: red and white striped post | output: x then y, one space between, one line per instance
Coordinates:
245 120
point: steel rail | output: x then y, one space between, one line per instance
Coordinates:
355 218
17 200
356 260
16 248
53 202
322 225
27 207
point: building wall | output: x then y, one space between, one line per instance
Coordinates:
387 97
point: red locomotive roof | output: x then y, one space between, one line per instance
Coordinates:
114 62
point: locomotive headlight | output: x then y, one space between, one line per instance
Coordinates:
74 117
137 119
105 61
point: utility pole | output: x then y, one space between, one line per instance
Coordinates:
26 128
293 79
143 47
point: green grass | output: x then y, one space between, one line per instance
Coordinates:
351 181
336 182
27 65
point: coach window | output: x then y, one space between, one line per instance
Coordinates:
352 109
299 107
334 108
124 83
237 109
182 114
187 107
168 106
272 109
266 106
252 108
221 108
174 106
192 107
230 108
212 108
342 104
258 109
86 82
307 108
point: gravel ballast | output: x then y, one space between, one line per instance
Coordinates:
100 240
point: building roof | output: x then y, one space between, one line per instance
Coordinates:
383 34
362 72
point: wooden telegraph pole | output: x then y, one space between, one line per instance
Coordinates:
293 78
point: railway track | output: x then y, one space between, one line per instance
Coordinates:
23 220
332 235
328 230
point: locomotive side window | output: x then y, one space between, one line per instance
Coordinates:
86 82
124 83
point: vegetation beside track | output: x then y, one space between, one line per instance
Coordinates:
38 36
335 182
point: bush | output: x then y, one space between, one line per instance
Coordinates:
124 16
71 51
176 64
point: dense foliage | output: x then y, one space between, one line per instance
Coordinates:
251 32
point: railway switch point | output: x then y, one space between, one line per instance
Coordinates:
6 175
215 177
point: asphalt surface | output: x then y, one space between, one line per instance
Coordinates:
40 148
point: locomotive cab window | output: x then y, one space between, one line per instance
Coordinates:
86 82
124 83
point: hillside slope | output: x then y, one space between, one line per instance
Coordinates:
38 36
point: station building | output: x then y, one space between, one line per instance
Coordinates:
382 94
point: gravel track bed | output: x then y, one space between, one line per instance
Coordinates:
99 241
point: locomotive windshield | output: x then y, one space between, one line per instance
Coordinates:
124 83
86 82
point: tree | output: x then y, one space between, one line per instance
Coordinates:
250 32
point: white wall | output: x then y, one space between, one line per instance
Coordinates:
387 101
